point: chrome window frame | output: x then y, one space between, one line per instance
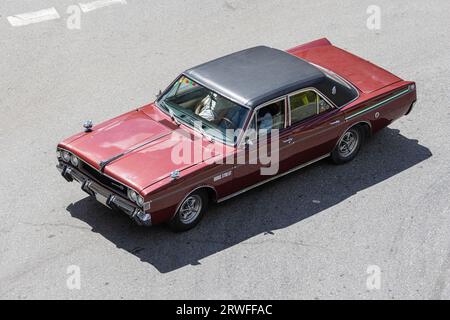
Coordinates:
318 93
265 104
358 94
287 108
255 110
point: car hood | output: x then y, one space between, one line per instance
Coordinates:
145 150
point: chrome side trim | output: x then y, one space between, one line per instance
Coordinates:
377 105
273 178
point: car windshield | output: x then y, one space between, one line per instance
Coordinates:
204 110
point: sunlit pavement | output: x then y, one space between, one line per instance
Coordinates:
324 232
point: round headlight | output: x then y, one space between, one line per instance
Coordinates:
74 160
140 201
132 195
66 156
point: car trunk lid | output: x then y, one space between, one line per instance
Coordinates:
364 75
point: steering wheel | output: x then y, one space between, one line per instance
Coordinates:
230 124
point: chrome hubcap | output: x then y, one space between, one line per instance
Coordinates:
348 143
190 209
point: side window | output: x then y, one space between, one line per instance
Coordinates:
271 116
323 105
305 105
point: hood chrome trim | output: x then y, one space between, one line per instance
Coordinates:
104 163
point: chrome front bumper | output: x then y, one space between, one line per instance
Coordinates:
104 195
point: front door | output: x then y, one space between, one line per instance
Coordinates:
263 151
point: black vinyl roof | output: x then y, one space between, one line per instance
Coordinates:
256 75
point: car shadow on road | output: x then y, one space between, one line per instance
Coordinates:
274 206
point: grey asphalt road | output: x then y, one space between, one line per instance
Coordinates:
312 235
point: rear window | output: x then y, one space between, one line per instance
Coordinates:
336 88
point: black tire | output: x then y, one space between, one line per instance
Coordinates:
182 221
346 149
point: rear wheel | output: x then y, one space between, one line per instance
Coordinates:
348 146
190 212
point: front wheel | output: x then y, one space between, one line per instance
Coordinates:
190 212
348 146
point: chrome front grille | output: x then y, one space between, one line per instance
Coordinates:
103 179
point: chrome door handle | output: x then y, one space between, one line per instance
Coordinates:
335 122
289 140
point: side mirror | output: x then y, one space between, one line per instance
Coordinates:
159 93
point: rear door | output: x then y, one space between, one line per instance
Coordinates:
313 129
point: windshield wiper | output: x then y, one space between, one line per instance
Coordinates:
172 115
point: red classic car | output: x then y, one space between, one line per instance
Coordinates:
206 137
